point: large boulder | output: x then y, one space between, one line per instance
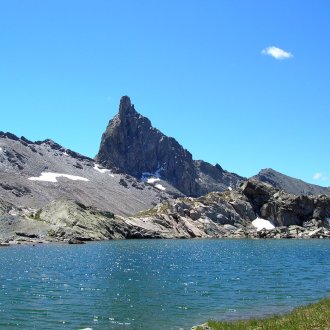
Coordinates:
284 209
258 193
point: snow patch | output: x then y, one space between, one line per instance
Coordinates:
52 177
153 180
262 224
230 188
159 186
101 170
151 177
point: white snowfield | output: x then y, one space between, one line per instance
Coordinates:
153 180
262 224
102 170
52 177
159 186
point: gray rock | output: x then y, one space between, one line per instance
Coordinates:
226 214
282 208
194 215
315 233
131 144
230 227
75 241
110 190
290 185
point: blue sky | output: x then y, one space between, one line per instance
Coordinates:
202 71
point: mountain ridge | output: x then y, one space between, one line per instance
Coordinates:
290 184
33 174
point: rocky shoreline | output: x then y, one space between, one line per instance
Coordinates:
229 214
291 232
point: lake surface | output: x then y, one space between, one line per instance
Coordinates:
157 284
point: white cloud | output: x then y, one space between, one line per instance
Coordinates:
320 176
277 53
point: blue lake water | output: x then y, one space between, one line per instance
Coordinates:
157 284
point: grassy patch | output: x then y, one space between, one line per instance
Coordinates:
35 216
147 213
312 317
51 233
162 208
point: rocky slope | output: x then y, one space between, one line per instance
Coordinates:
35 174
131 144
61 220
289 184
234 214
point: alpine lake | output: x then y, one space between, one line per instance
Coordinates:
158 284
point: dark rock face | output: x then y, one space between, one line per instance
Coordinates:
134 146
131 144
289 184
285 209
257 192
214 178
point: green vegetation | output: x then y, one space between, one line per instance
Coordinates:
154 211
312 317
51 233
214 197
36 215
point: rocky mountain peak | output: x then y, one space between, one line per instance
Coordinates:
125 107
131 144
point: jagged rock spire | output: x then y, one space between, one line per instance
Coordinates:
131 144
125 106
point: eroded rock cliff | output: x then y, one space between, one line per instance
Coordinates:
131 144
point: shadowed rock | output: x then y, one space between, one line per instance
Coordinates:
131 144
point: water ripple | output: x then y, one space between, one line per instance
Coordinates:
157 284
